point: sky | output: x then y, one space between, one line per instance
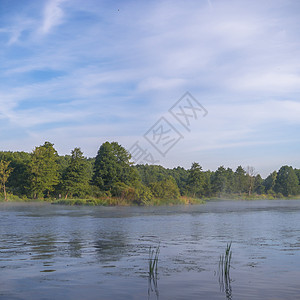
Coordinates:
78 73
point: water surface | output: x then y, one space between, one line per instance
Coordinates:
60 252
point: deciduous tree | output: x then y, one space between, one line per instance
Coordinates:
5 171
112 165
287 181
77 176
240 180
219 181
195 180
44 170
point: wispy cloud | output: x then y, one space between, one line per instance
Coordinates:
53 15
96 68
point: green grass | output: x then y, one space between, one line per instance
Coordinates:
80 202
121 201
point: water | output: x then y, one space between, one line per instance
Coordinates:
60 252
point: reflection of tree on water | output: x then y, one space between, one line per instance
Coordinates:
75 247
111 246
44 246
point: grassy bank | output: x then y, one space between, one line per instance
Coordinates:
115 201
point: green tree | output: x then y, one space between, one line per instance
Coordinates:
240 180
166 189
229 181
181 176
207 184
152 173
77 176
5 171
18 181
269 182
44 170
219 181
297 171
287 182
195 180
112 166
258 185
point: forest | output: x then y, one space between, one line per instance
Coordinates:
110 178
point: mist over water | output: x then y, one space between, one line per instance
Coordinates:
60 252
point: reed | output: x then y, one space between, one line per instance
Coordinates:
152 275
225 261
153 261
224 269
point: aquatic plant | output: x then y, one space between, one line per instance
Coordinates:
152 272
225 261
224 269
153 260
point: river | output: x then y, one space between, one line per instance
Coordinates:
60 252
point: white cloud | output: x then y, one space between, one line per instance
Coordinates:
158 83
269 81
122 69
53 15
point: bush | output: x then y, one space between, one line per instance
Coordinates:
165 189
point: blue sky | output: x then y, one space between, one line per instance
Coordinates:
77 73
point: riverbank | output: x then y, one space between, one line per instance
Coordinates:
108 201
115 201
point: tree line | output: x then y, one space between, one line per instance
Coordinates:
43 174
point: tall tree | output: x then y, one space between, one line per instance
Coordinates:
240 180
77 176
207 184
219 180
112 165
5 171
195 180
258 185
44 170
269 182
297 171
18 181
180 175
229 181
287 182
